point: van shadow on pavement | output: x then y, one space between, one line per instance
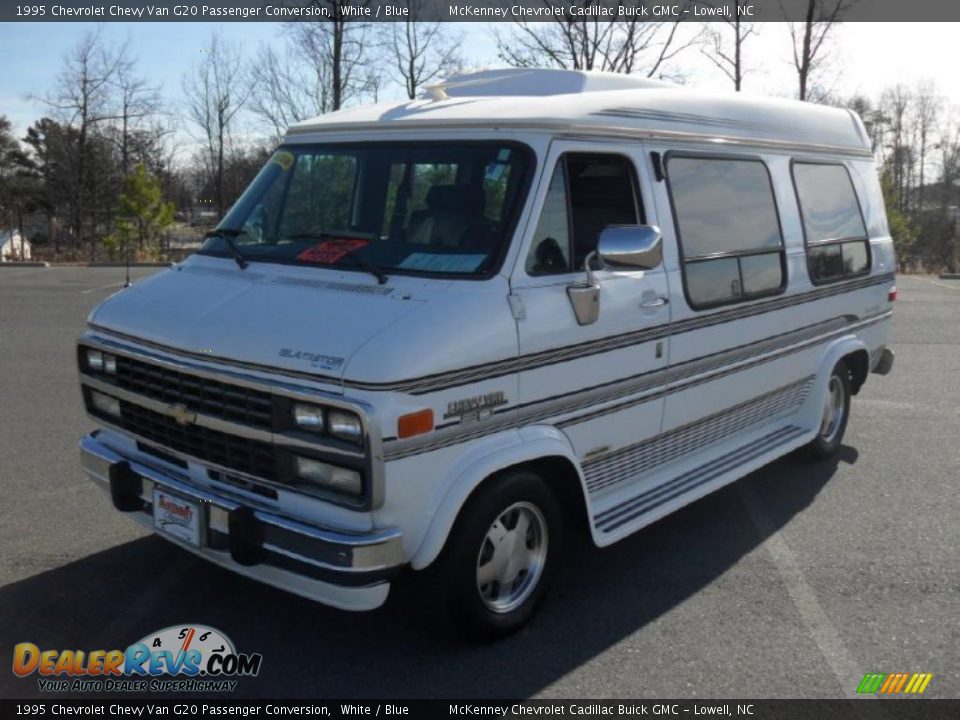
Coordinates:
404 649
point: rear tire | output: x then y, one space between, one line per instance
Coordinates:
501 555
834 415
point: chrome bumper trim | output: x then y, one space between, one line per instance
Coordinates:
339 553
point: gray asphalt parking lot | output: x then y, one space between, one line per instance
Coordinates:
793 582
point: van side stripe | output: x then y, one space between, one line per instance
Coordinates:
632 460
653 385
498 368
601 345
641 505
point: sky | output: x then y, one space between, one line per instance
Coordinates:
864 57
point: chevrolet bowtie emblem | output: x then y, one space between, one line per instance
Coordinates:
181 413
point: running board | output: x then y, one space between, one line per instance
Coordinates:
613 519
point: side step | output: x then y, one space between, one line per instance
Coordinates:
633 508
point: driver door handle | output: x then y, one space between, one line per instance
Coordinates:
654 303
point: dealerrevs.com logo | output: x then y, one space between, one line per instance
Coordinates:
187 658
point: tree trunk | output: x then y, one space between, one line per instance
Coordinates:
737 74
337 68
804 68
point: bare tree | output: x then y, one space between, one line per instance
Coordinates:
808 38
419 51
873 119
949 147
286 89
81 97
337 50
725 49
215 92
927 107
584 42
896 104
136 103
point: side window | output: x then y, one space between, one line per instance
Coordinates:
728 227
836 237
550 253
587 193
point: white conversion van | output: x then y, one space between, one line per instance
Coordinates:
431 332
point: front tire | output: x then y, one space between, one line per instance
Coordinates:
501 555
833 417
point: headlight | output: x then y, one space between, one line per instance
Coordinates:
308 417
329 476
101 362
344 425
95 360
104 403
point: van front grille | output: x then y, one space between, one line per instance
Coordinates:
209 397
244 455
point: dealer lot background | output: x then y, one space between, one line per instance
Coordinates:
793 582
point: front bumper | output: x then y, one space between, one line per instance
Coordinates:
348 571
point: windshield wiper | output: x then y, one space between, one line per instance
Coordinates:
379 274
228 234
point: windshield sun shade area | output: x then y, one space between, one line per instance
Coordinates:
409 208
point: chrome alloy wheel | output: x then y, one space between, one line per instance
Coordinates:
512 557
833 409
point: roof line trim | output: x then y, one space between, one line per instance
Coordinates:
584 130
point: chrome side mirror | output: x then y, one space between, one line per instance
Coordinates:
630 247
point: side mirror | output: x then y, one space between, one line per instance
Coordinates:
630 247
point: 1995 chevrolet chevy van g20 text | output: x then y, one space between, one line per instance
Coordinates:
429 331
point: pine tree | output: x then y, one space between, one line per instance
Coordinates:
143 212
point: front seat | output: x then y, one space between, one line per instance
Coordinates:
451 211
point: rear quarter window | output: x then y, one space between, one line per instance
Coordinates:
833 227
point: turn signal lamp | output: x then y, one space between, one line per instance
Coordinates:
416 423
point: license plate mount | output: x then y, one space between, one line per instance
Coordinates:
177 517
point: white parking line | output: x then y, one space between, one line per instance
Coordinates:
824 634
102 287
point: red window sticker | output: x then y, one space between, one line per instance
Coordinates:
329 251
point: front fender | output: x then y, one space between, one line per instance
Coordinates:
497 453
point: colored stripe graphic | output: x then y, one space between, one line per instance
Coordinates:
894 683
871 683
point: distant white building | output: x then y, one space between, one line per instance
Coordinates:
13 246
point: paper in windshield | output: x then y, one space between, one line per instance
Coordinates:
442 262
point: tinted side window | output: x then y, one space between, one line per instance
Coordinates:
837 245
587 193
729 229
550 253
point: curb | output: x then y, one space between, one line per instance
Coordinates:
120 264
950 276
109 264
23 264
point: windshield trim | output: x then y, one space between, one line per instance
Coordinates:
532 167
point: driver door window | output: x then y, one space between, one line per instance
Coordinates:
587 193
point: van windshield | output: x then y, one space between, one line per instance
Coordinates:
410 208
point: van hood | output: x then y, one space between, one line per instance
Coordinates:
294 318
